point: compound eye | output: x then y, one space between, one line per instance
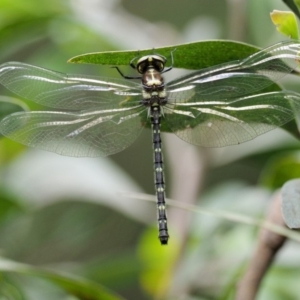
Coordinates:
159 66
142 67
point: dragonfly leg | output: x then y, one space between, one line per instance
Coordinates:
172 62
125 76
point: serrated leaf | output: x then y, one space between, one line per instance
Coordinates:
291 203
191 56
286 23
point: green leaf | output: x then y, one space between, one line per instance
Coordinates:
79 287
286 23
291 203
192 56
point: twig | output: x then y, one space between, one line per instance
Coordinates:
223 214
268 245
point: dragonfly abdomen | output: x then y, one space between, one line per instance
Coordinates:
159 175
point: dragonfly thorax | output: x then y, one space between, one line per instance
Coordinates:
153 87
150 67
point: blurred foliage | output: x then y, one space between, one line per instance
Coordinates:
109 242
280 169
293 5
82 289
9 105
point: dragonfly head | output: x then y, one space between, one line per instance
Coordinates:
156 62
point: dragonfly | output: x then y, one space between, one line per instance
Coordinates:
92 116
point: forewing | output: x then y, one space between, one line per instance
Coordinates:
89 133
239 78
63 91
231 122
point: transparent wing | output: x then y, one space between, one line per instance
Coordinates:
231 122
89 133
216 107
239 78
100 116
63 91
